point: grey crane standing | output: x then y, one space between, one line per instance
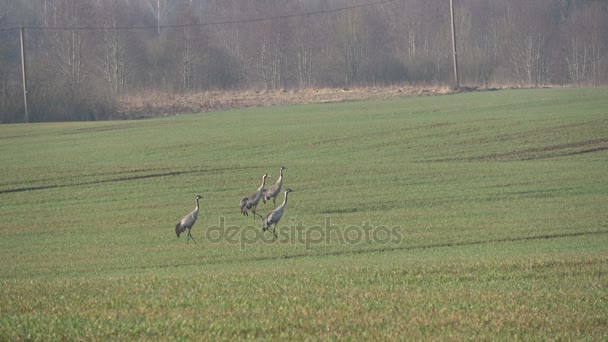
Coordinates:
275 189
188 221
251 201
274 216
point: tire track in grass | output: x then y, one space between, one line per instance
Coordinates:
374 250
552 151
122 179
119 179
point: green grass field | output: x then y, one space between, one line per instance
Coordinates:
469 216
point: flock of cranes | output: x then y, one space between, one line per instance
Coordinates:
247 203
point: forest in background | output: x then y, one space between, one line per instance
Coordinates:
84 56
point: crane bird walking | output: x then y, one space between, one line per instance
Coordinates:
275 189
251 202
188 221
274 216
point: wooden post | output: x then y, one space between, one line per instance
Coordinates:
454 55
23 75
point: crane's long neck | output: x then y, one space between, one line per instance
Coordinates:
280 177
263 183
285 199
197 206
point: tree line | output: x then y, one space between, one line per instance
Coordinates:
84 55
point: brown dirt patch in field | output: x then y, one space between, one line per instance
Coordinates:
163 104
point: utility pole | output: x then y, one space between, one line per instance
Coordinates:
23 74
454 55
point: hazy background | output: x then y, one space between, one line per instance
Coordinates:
82 56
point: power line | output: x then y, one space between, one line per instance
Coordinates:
229 22
6 29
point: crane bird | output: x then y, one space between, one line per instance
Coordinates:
275 189
251 201
188 221
274 216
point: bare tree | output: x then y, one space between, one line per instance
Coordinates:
577 58
305 56
271 60
526 41
11 100
113 48
160 9
526 59
597 15
351 46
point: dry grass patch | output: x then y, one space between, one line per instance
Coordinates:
154 104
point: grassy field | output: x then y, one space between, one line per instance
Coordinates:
468 216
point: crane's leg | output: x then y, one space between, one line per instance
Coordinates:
274 201
274 232
190 236
254 213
